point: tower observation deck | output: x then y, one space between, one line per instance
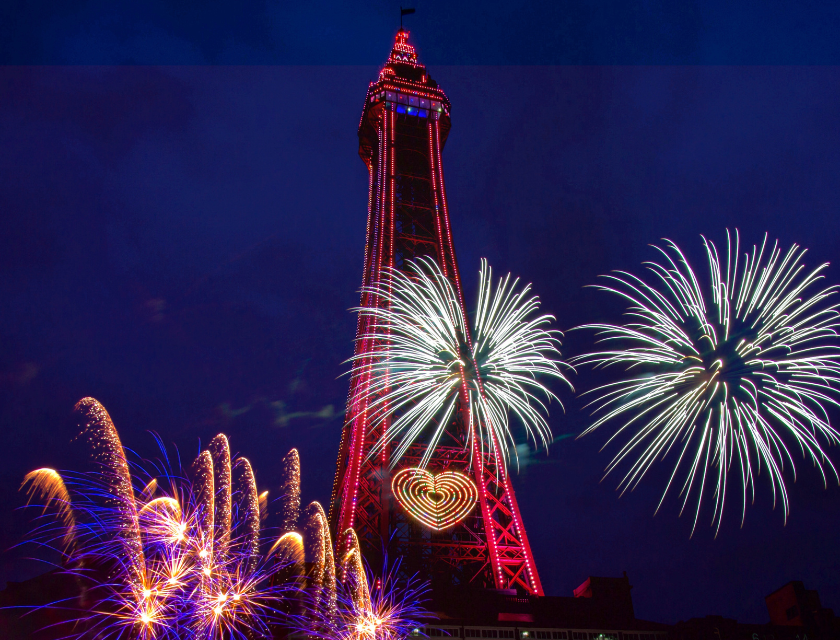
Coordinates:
403 129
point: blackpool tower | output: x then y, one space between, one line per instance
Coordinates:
404 126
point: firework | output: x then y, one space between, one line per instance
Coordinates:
263 505
249 511
205 515
420 360
289 545
49 487
726 379
367 606
353 576
172 558
392 610
122 540
344 600
185 555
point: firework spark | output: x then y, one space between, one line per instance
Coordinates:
737 373
420 360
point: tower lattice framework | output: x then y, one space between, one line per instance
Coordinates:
403 129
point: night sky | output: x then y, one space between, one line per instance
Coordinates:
183 242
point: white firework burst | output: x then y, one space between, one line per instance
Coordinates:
735 373
420 359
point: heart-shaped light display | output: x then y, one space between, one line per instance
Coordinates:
438 501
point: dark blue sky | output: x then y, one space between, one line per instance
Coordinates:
183 242
487 32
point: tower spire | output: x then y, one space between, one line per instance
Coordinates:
402 52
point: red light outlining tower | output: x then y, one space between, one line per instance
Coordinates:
403 129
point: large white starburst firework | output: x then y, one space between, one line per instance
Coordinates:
420 359
727 379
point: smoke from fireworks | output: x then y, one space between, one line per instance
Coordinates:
734 374
180 556
420 360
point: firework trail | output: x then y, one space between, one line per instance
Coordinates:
248 510
420 360
727 379
203 524
353 576
106 451
290 490
319 554
219 449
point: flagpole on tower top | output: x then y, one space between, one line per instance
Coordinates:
404 12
